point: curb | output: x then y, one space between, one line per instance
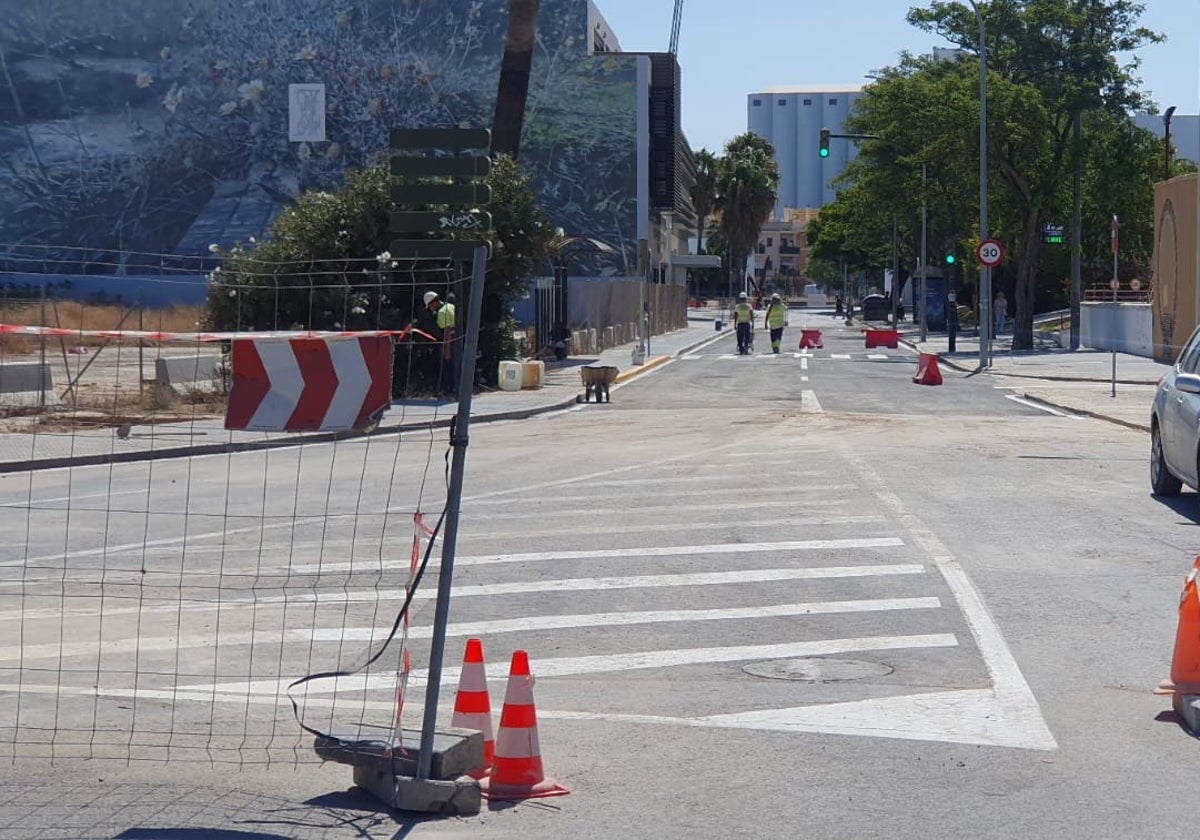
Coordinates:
1086 413
1048 377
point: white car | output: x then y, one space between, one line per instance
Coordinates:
1175 424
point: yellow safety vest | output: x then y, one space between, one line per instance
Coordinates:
776 315
743 313
445 316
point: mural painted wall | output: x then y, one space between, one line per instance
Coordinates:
1176 274
161 126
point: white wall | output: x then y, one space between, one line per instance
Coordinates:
1124 327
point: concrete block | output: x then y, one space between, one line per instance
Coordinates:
607 341
618 335
1187 706
593 341
456 752
26 384
197 372
461 796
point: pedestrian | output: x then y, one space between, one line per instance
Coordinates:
837 310
900 311
1000 311
776 320
743 320
444 316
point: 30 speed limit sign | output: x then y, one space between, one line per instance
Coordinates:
990 253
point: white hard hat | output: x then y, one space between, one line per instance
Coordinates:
776 296
742 296
430 297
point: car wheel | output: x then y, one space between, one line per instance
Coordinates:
1162 483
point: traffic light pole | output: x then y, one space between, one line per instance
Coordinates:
985 273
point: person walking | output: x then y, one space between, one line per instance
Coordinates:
1000 310
743 319
776 319
444 315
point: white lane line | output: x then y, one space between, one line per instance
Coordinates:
877 356
804 364
639 552
603 664
1015 698
809 404
1042 407
763 525
728 356
744 576
24 503
623 619
839 355
108 648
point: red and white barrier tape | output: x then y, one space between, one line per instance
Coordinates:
201 337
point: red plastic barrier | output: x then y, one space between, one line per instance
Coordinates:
810 338
882 338
927 370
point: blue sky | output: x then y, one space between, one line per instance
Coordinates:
727 50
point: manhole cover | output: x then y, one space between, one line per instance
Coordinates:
817 670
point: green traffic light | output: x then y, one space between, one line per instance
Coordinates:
824 152
950 259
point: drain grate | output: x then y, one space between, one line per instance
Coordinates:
817 670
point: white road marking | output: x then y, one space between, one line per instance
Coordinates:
803 378
877 356
1015 702
604 663
488 590
621 619
809 404
24 503
1042 407
804 364
839 355
639 553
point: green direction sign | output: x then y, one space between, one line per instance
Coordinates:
449 139
441 167
469 194
426 248
452 221
1053 234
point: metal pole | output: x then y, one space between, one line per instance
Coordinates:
1077 245
458 440
924 256
1115 283
985 275
895 272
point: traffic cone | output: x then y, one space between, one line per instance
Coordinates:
1185 664
810 338
927 370
472 705
516 772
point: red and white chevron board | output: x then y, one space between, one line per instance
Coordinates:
309 384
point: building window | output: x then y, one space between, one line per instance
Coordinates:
757 102
833 101
782 101
769 242
807 101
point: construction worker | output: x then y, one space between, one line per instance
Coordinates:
444 315
776 318
743 319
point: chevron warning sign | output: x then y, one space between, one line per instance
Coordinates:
309 384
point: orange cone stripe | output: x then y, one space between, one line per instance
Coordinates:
473 701
519 717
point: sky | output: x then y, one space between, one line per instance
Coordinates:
728 50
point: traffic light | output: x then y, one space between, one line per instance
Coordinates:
824 142
950 259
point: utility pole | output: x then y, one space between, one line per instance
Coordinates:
924 256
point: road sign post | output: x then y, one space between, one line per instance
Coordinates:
990 254
1115 283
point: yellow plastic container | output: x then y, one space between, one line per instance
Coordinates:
511 375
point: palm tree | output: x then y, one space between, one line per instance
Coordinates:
704 193
513 88
747 181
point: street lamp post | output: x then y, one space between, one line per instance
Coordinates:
1170 112
985 273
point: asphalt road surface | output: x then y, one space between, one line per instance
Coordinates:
767 596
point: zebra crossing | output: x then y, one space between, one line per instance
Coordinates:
791 356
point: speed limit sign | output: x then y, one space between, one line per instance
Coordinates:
990 253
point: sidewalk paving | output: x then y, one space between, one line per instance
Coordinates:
1078 382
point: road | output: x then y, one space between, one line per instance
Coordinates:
770 596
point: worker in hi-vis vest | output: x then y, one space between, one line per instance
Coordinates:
743 320
776 319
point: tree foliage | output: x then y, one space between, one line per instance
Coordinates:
747 182
1048 61
325 266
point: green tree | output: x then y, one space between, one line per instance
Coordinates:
704 193
324 266
1048 60
747 181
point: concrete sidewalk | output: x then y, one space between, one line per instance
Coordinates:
561 385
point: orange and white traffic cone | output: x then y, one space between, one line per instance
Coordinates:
517 769
1185 664
472 705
